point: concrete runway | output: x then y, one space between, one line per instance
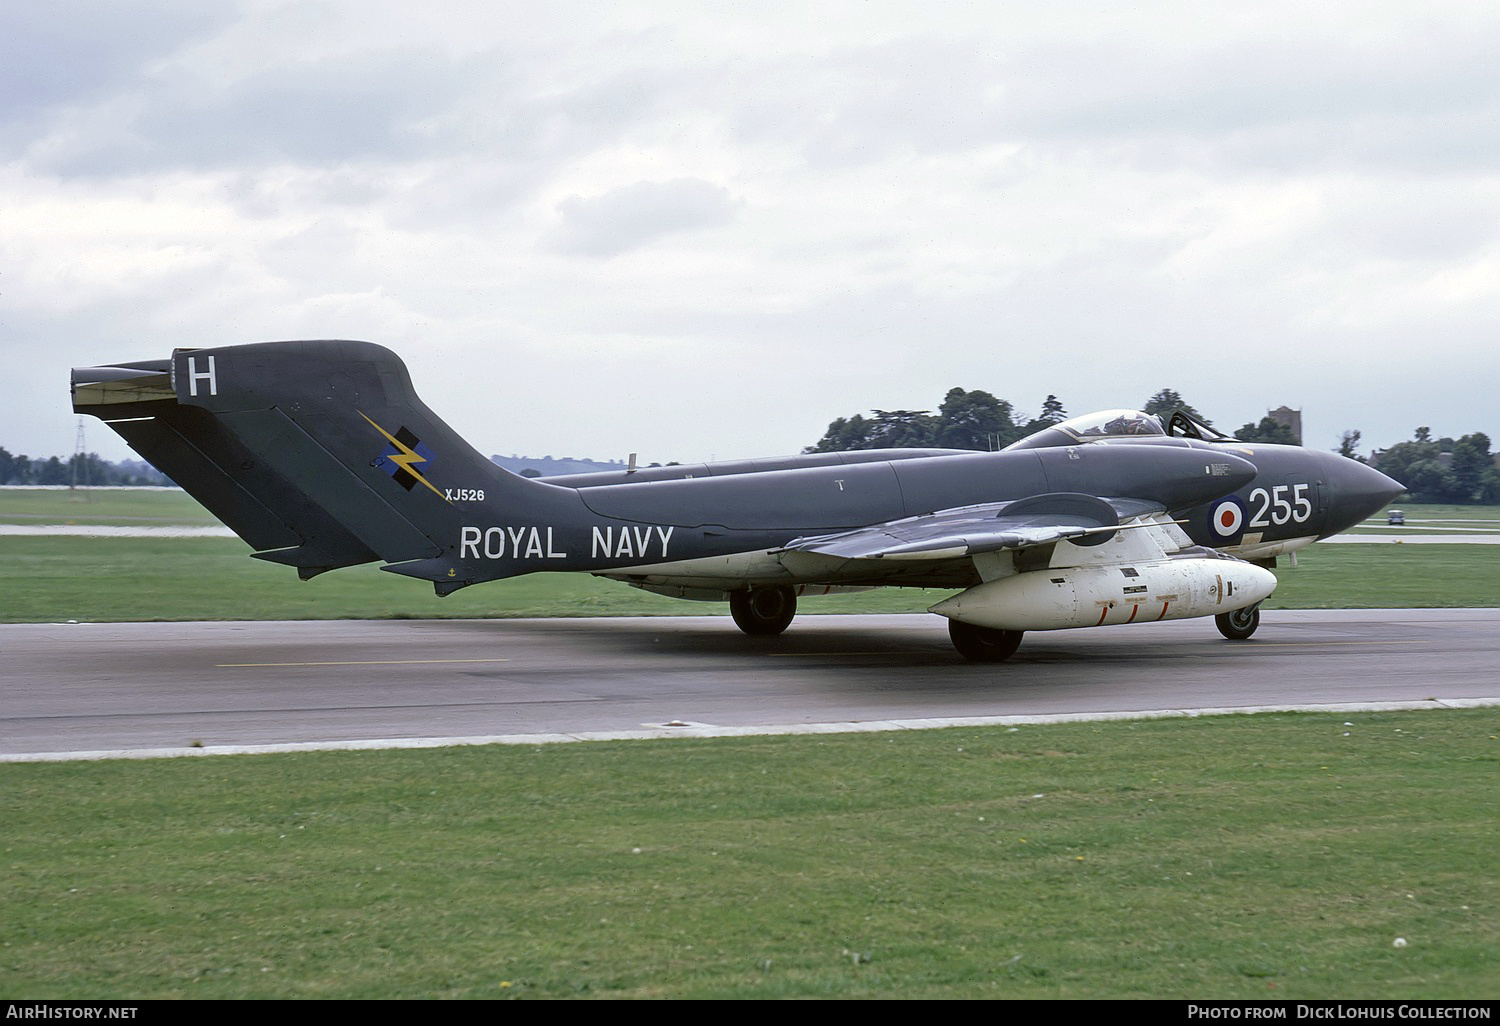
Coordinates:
99 687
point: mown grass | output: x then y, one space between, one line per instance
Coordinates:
160 507
1271 856
114 579
106 579
1417 511
117 506
1233 857
1431 518
1389 576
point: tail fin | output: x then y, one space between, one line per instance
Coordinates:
318 454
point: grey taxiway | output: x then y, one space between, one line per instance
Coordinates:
139 687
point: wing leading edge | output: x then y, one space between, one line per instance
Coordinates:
1038 520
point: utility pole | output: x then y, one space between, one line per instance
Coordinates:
80 463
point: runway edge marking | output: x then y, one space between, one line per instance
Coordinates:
704 730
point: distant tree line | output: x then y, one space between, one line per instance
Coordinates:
965 420
81 470
1270 432
1459 471
1434 470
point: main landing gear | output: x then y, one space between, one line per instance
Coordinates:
763 612
983 644
1239 624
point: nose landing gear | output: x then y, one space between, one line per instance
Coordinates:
1239 624
983 644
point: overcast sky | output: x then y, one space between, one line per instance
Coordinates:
698 230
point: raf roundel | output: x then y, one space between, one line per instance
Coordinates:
1227 517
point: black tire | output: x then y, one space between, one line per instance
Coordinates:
763 612
983 644
1239 624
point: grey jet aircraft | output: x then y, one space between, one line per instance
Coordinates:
320 455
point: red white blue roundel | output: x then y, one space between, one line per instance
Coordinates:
1226 518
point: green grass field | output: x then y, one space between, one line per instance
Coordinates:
1232 857
1431 518
44 579
140 507
114 579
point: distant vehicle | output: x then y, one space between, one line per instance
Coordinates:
1396 518
320 455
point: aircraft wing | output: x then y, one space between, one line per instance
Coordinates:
990 527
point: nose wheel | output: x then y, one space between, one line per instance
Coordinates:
983 644
1239 624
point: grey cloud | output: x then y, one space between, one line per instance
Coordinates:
314 114
435 140
512 140
626 218
67 50
1273 102
861 105
1270 104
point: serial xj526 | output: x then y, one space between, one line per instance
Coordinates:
320 455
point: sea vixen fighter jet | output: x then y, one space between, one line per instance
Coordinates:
320 455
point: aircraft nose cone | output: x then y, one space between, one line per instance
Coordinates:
1359 491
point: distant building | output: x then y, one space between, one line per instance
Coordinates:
1288 418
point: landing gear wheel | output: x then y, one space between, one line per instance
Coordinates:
983 644
763 612
1239 624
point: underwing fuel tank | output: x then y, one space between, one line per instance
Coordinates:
1098 596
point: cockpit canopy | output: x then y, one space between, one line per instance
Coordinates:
1105 424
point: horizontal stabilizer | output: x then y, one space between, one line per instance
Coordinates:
193 449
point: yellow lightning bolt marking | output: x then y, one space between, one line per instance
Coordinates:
407 458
